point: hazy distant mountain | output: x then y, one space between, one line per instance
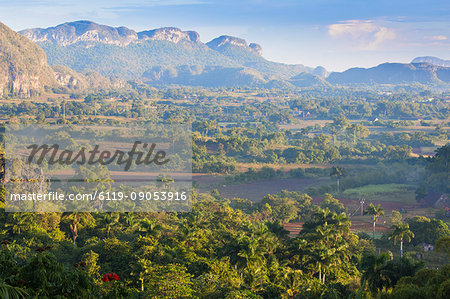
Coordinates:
90 33
170 34
124 53
393 73
81 31
208 76
306 79
320 71
23 65
172 56
75 81
225 41
24 70
218 76
246 55
432 60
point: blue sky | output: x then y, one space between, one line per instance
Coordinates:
331 33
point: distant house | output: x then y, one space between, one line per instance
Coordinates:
302 113
427 247
435 200
442 202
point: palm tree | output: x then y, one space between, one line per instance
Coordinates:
373 271
109 220
375 212
22 222
164 181
253 262
142 269
334 133
357 130
402 233
292 281
341 223
130 219
77 218
337 172
149 226
325 243
8 291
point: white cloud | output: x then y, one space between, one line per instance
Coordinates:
439 37
367 34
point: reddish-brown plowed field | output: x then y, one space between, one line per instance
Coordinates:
255 191
293 228
388 206
364 223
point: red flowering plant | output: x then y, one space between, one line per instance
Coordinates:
113 289
110 277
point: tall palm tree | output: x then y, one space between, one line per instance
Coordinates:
109 220
149 226
142 269
402 233
325 244
130 220
8 291
373 271
341 223
375 212
164 181
337 172
22 222
75 220
292 281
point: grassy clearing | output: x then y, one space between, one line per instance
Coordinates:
385 192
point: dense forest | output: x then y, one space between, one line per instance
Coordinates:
348 144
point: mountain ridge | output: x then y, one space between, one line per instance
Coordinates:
171 34
83 45
23 66
81 31
227 40
169 55
393 73
432 60
24 71
87 31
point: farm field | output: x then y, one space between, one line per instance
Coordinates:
255 191
398 197
383 193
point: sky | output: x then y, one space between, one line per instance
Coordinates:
331 33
